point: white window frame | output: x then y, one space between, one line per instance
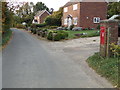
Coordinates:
75 20
66 9
96 20
75 6
65 21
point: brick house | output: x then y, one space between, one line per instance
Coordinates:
84 14
40 16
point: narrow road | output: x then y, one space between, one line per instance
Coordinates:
27 63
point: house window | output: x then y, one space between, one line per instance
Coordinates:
66 9
96 20
65 21
75 20
75 7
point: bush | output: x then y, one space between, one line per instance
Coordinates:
33 30
51 27
39 31
44 32
98 27
63 34
38 25
57 35
115 50
86 29
6 37
33 26
41 25
20 26
50 36
71 27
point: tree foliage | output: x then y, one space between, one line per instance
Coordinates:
39 7
27 11
24 14
113 9
7 17
55 18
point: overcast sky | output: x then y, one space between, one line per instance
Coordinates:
56 4
53 3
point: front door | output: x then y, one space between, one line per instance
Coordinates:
69 22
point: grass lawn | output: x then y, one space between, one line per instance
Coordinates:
107 68
90 33
6 37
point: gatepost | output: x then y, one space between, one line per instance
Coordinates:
108 35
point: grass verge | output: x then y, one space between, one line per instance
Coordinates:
89 33
6 37
107 68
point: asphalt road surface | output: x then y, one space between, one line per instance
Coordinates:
27 63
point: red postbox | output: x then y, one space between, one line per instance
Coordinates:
102 35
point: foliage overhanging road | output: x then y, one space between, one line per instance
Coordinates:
28 64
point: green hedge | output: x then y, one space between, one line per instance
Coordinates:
42 32
20 26
57 35
38 25
54 35
6 37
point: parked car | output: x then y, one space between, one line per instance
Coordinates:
77 28
60 28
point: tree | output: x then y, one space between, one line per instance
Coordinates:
40 6
113 9
6 17
55 18
25 14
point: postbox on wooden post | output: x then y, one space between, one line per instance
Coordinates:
108 35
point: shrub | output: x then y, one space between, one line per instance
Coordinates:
98 27
50 36
115 50
6 37
41 25
33 26
39 31
20 26
44 32
33 30
38 25
57 35
86 29
63 34
71 27
51 27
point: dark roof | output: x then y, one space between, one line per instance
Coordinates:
39 13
